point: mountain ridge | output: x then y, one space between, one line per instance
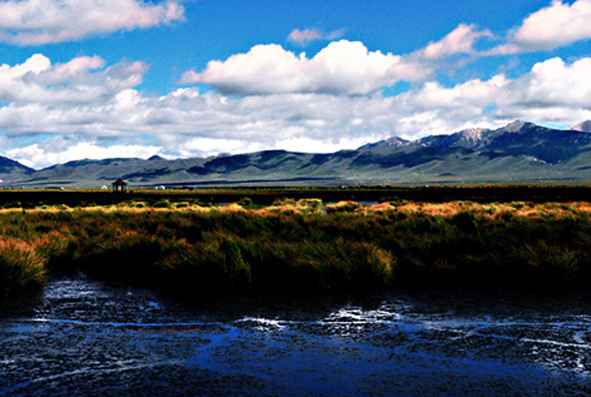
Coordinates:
518 152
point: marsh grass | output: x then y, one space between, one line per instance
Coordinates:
21 265
188 247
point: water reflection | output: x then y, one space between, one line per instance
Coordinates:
85 337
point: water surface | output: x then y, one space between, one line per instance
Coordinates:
84 337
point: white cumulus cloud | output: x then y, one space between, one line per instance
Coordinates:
342 67
37 22
554 83
555 26
77 81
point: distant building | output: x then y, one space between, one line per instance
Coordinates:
119 186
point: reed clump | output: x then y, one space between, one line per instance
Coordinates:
297 245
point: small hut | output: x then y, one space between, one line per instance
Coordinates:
119 186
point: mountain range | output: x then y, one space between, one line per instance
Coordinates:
520 152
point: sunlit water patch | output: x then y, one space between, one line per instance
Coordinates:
83 337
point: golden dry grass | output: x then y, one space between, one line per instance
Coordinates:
293 244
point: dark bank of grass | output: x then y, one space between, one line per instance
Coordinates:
347 249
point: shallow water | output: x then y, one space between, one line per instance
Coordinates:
83 337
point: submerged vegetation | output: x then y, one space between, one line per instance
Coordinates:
301 244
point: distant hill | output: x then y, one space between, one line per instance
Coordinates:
520 152
11 170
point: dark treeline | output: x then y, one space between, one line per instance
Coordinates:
267 195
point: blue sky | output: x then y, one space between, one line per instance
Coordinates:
132 78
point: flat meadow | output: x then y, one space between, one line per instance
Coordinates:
301 245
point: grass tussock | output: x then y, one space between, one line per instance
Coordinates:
303 245
21 265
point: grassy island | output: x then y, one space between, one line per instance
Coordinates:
301 244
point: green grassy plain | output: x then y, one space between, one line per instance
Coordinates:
301 245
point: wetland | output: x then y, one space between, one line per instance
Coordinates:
172 295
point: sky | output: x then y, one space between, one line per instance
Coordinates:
197 78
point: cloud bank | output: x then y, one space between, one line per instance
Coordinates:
111 116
